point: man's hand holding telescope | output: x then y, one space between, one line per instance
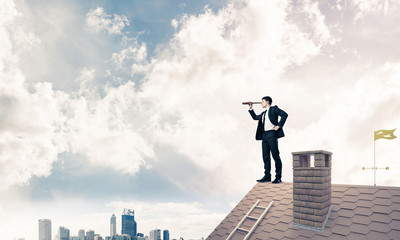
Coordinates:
250 104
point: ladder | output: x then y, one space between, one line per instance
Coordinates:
258 220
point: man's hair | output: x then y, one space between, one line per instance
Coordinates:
267 99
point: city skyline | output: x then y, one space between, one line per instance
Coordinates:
127 225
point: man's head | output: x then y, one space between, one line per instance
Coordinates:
266 101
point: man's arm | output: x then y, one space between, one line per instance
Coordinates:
283 116
252 113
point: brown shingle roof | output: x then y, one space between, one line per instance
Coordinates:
358 212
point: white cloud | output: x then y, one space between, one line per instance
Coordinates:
101 129
364 8
39 123
136 53
31 120
97 20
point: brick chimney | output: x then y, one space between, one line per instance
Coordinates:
311 189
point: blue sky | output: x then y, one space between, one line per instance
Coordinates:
109 105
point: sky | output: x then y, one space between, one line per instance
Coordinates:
107 105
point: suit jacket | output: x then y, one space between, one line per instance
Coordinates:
273 114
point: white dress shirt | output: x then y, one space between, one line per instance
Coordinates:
267 123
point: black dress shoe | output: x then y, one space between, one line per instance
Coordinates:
277 181
264 179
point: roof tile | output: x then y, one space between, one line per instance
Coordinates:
338 236
394 234
366 196
364 203
362 219
395 206
286 219
394 224
276 234
282 227
263 235
379 227
381 209
359 228
239 235
352 192
350 199
348 205
368 190
377 235
345 221
346 213
395 215
379 217
383 201
383 193
356 236
248 224
308 233
363 211
341 230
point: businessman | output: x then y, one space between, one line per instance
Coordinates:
269 129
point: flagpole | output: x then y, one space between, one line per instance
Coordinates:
385 134
374 163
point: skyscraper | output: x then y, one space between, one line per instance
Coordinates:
113 225
165 235
81 234
63 233
155 234
90 235
128 223
44 229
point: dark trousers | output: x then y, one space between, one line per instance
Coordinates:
270 146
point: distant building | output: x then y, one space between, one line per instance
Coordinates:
165 235
63 233
74 238
81 234
113 225
98 238
44 229
107 238
155 234
129 225
90 235
121 237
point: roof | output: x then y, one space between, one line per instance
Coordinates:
358 212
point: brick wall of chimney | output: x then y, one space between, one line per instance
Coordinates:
311 188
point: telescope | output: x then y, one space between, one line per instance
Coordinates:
248 103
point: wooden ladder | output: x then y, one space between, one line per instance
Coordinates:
247 216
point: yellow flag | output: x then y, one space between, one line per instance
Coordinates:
386 134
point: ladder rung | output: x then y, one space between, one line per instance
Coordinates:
242 229
261 207
251 217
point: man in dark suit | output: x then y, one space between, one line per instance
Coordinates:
269 129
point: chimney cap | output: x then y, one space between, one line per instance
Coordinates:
312 152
